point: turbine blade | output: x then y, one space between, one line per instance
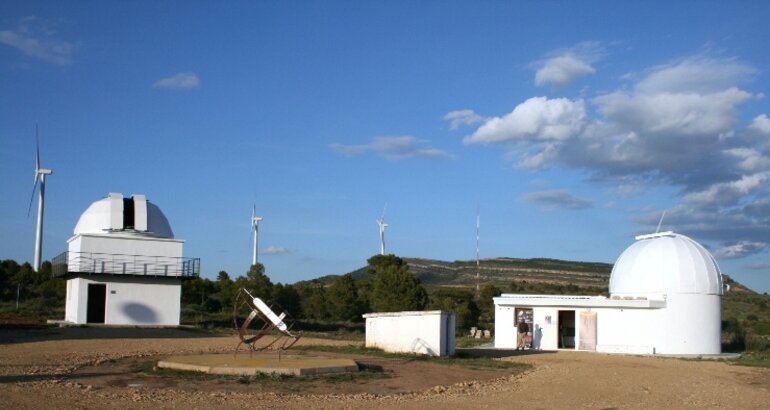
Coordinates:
37 152
32 197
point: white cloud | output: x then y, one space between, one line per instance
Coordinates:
462 117
749 159
727 193
556 199
699 74
539 159
759 265
537 118
393 148
562 67
275 250
761 124
739 249
562 70
677 113
676 127
35 37
179 81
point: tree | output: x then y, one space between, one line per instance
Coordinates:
313 301
394 287
202 293
486 304
225 291
287 298
222 276
258 283
343 301
460 301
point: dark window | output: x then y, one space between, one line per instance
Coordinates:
128 213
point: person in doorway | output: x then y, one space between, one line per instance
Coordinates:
521 334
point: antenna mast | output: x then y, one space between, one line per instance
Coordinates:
478 223
660 222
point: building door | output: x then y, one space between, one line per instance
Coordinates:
97 297
527 316
587 331
566 329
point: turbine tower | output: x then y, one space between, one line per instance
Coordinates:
255 228
40 174
381 223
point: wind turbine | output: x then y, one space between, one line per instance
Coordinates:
381 223
255 228
40 174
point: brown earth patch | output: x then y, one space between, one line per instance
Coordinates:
98 368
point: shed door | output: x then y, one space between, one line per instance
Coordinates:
588 331
97 297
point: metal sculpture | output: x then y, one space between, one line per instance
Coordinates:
282 323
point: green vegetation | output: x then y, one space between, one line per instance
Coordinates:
467 341
38 294
394 287
332 306
754 359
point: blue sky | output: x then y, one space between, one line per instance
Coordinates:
572 126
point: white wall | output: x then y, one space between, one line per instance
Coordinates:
126 244
431 333
692 324
129 300
71 308
628 330
106 253
545 335
505 331
682 324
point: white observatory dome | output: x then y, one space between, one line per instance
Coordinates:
115 214
665 263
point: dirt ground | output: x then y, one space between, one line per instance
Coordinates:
99 368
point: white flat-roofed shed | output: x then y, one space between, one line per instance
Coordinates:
429 332
665 298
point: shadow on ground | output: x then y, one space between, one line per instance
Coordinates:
498 353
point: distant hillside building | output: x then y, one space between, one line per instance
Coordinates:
124 266
665 298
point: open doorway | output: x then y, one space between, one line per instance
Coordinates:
97 296
525 315
566 329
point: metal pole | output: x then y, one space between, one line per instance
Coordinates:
39 231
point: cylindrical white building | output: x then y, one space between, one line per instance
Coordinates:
676 269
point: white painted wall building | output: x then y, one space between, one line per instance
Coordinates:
124 266
665 298
430 332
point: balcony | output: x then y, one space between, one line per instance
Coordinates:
135 265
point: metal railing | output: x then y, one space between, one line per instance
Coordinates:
113 264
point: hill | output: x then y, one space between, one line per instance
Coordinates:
552 274
501 272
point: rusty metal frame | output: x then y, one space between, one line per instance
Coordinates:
243 301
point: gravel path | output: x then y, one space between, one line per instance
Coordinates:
36 370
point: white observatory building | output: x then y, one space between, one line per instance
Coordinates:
665 298
124 266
